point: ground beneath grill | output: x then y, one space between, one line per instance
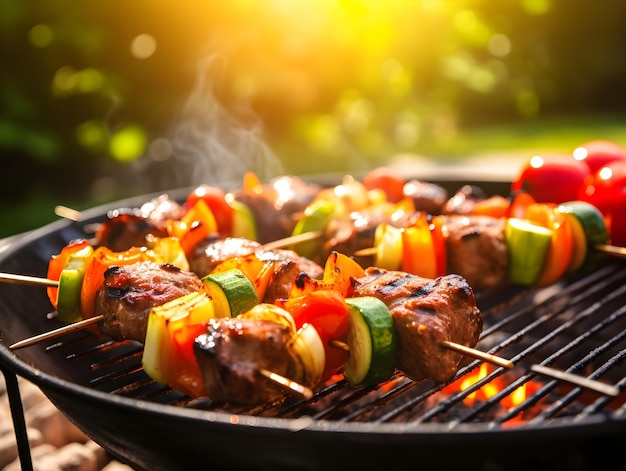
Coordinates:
55 443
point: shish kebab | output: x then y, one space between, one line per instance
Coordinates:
403 316
426 312
462 234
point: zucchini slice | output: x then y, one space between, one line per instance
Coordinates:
372 340
232 292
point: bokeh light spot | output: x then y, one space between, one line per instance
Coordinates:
143 46
64 80
128 144
91 135
40 35
499 45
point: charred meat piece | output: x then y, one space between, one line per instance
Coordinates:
210 253
231 353
275 205
425 313
427 197
476 250
129 293
128 227
125 228
286 269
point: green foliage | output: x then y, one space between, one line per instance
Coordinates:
101 100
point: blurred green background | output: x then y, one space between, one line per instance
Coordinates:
107 99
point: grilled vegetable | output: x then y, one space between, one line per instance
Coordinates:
589 229
327 311
168 349
527 247
372 341
308 358
231 291
70 285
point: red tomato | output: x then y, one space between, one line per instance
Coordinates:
606 190
551 178
598 153
325 310
386 179
214 197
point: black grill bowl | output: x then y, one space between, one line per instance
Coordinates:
161 433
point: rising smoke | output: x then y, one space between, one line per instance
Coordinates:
207 144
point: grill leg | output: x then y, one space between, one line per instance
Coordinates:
19 423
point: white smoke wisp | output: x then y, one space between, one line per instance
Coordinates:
211 145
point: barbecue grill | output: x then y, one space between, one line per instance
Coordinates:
497 419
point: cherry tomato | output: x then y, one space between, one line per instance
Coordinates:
214 197
386 179
551 178
606 190
598 153
326 310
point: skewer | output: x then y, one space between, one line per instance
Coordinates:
67 213
487 357
56 332
27 280
457 347
292 240
612 250
287 383
576 380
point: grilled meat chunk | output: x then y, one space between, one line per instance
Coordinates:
274 205
289 265
232 352
129 293
128 227
476 250
427 197
210 253
425 313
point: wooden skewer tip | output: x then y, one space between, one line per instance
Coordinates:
67 213
577 380
56 332
27 280
287 384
